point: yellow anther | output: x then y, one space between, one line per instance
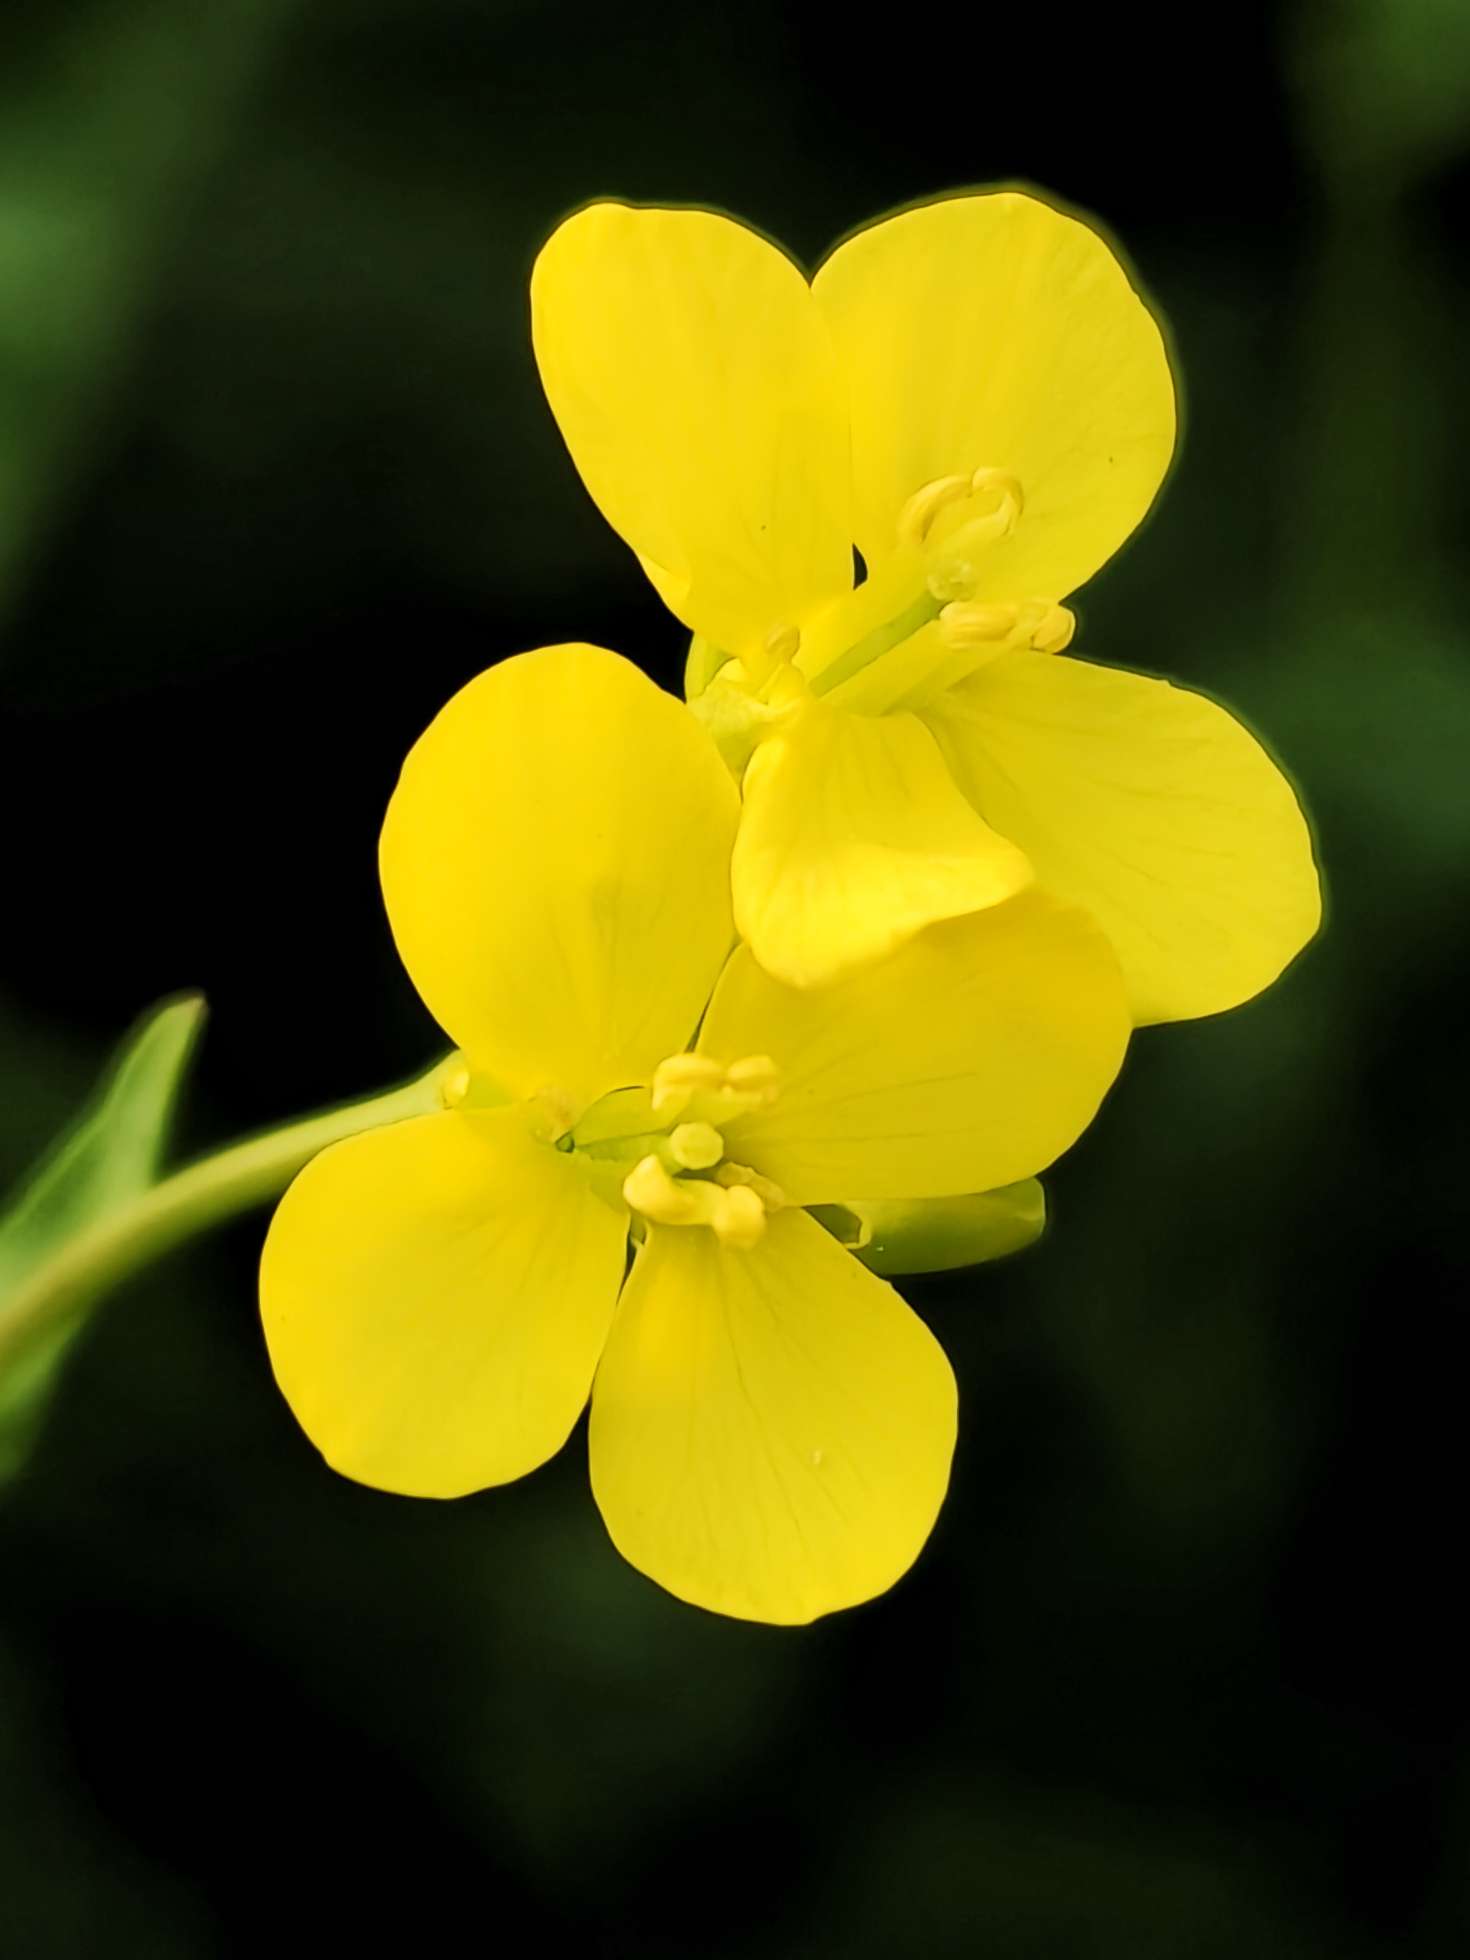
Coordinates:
667 1200
733 1175
990 509
740 1217
1045 628
736 1217
679 1077
1008 489
1054 630
455 1087
962 625
925 505
754 1075
708 1092
696 1146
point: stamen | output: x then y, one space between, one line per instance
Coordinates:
956 551
1054 631
711 1092
676 1080
741 1220
755 1075
962 625
736 1217
1042 627
925 505
741 1175
1008 488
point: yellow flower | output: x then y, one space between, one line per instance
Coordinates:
972 395
771 1427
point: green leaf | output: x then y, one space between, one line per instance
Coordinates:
107 128
939 1235
106 1160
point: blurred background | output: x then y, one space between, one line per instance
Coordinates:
1183 1670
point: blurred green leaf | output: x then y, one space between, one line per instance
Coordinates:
108 1157
105 131
1387 85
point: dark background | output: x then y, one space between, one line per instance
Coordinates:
1183 1671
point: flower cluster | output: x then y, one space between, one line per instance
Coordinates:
845 950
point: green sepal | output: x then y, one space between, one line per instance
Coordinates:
940 1235
107 1158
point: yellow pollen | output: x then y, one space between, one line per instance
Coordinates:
962 625
1042 627
696 1146
736 1217
989 510
1008 488
677 1079
732 1175
741 1219
1054 631
756 1075
711 1093
925 505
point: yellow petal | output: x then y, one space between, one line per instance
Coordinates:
969 1059
993 332
694 384
853 838
555 866
435 1297
1152 807
772 1428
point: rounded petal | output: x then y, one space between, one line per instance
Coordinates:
771 1429
1151 806
693 381
435 1297
969 1059
555 862
995 332
853 838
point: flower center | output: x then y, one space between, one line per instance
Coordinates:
945 533
661 1149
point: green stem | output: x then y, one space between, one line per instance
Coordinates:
190 1201
873 645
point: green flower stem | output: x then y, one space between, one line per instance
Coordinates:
188 1202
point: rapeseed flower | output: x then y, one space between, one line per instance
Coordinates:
771 1426
973 396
